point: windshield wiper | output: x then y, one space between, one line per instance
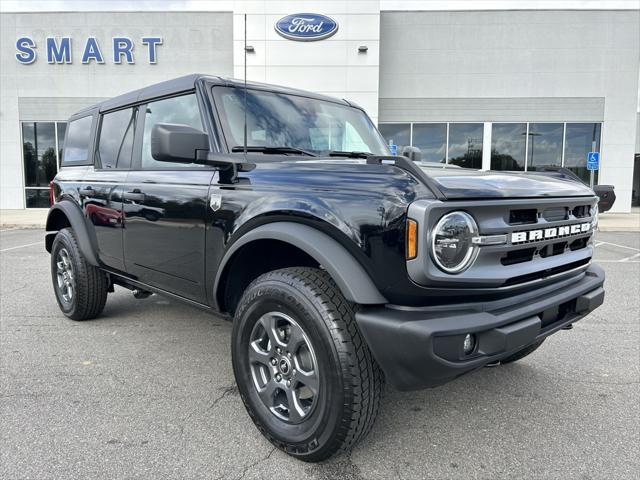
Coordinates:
272 150
339 153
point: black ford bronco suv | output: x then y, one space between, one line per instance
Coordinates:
339 264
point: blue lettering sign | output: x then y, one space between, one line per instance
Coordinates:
26 53
59 50
122 46
306 27
152 42
593 161
58 54
92 51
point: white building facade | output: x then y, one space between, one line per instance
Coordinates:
494 89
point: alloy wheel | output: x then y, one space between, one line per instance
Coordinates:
283 367
64 275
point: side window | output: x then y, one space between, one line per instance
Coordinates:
116 139
76 145
178 110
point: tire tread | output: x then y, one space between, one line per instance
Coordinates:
363 379
91 283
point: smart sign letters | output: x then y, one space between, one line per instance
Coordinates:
60 50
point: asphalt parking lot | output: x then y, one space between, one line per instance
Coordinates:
147 391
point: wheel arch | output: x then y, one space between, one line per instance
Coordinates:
308 247
67 214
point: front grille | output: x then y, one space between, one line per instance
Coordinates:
555 214
524 216
549 272
545 237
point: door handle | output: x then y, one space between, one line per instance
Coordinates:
135 195
87 191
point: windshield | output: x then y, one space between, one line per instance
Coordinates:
280 120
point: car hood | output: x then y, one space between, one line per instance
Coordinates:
465 183
459 183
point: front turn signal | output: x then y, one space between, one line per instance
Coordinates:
412 239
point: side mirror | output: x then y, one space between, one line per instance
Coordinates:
412 153
177 143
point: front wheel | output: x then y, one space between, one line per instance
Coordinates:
304 372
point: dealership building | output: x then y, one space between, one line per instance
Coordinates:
491 89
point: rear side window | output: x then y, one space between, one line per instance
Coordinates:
115 144
76 144
179 110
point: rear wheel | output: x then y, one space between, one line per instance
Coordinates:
81 289
523 353
304 372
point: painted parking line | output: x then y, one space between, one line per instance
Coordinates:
617 261
630 258
617 245
21 246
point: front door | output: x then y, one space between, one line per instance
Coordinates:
165 206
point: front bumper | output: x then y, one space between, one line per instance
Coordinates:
420 348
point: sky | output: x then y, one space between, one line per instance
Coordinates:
227 5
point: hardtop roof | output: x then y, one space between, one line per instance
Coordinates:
188 82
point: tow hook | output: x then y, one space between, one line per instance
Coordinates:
567 327
140 294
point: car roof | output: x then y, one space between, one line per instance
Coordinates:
188 82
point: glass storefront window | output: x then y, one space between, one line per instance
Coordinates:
40 153
580 139
431 139
465 144
37 197
508 143
514 146
397 133
39 150
545 145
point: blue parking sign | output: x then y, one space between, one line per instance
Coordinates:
593 161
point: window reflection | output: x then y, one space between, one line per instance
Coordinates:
465 144
508 146
62 130
76 145
545 145
397 134
39 151
115 143
40 155
431 139
179 110
581 138
37 198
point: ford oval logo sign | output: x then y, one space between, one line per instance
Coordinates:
306 27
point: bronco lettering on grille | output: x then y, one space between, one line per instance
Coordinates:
549 233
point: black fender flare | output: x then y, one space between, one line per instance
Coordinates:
352 279
84 235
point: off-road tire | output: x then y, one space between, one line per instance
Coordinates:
90 284
523 353
351 382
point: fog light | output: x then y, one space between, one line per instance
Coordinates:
469 343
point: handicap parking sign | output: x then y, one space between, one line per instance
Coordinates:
593 161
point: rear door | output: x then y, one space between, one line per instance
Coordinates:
165 206
103 185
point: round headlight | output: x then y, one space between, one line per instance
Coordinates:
452 245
